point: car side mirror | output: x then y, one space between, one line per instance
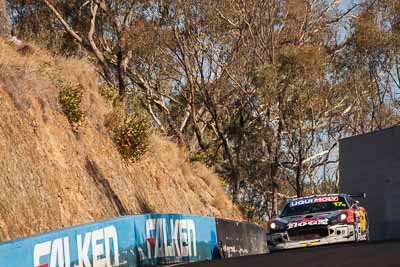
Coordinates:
273 214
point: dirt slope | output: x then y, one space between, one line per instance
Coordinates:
52 177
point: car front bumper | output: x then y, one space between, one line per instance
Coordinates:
337 234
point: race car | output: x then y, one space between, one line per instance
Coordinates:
318 220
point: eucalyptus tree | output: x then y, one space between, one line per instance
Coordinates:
260 90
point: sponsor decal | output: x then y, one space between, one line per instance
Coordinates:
308 223
316 243
304 201
173 238
94 249
339 204
363 221
232 250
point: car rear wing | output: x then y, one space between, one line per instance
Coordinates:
358 195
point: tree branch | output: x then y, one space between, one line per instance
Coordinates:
63 22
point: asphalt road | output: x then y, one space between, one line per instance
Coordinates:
345 255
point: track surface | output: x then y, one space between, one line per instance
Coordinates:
345 255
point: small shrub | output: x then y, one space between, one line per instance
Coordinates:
108 92
71 98
198 156
131 137
111 96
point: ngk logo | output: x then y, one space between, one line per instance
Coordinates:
308 223
98 244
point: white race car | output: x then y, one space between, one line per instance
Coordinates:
317 220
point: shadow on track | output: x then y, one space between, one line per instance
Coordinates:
382 254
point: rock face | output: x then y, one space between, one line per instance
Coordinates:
52 177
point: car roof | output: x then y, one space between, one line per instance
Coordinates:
319 195
344 195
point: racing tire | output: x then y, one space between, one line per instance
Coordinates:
367 233
357 232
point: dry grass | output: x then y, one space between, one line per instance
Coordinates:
38 60
218 202
52 177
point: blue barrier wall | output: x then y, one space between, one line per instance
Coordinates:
127 241
168 238
106 243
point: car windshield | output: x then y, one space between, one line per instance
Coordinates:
314 205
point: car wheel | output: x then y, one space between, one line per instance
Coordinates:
367 233
357 232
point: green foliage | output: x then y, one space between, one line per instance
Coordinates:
110 95
129 104
131 137
198 156
71 99
108 92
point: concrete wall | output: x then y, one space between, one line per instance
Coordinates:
241 238
371 163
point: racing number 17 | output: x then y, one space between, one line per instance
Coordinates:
339 204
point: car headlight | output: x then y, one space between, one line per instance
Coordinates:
340 218
277 226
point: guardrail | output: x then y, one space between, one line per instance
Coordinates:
130 241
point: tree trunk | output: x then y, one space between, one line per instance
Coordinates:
4 27
121 73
